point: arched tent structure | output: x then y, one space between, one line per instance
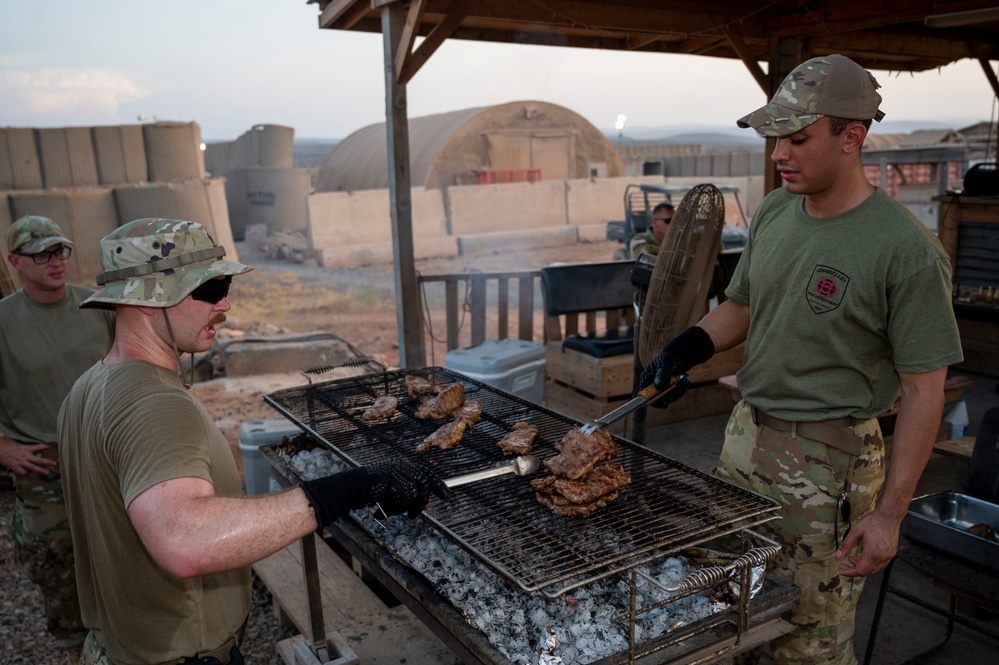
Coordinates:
447 148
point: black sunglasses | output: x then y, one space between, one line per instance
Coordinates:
842 513
213 291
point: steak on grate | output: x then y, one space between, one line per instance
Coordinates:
443 403
446 437
520 440
382 408
469 412
579 453
604 480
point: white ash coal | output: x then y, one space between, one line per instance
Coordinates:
519 624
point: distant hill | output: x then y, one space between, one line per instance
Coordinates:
722 137
312 153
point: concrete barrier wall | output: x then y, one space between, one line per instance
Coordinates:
474 209
750 194
357 218
354 228
596 202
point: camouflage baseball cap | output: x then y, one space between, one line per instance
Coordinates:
157 263
33 233
829 85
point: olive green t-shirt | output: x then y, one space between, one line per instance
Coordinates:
136 426
840 305
44 348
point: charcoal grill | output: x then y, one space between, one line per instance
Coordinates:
668 507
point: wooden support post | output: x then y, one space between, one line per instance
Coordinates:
411 351
785 55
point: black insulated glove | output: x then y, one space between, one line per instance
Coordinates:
398 486
688 349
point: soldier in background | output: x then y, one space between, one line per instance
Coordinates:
650 240
46 343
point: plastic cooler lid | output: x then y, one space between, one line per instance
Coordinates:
494 356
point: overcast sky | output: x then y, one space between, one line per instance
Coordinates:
230 64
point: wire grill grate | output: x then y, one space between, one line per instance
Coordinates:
668 506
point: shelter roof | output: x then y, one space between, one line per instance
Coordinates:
897 35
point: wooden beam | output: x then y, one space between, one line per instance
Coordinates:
747 58
411 350
350 11
408 37
448 25
785 56
994 82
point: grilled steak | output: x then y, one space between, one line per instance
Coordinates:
417 385
519 440
446 437
579 453
469 412
383 408
562 506
443 403
604 480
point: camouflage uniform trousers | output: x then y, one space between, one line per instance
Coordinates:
44 550
806 477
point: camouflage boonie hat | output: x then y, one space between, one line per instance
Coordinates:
830 85
157 263
33 233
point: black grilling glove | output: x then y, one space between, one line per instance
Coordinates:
690 348
398 486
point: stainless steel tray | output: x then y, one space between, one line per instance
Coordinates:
941 522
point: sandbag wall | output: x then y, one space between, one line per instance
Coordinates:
262 188
93 179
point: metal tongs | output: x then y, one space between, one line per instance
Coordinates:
645 396
521 466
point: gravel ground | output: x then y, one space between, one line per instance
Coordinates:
23 638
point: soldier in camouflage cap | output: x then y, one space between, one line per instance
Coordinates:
831 85
32 234
158 263
842 298
46 343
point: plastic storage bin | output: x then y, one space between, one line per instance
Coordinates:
514 365
252 435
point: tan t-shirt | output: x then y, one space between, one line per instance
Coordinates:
136 426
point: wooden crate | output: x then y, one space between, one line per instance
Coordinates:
705 400
609 378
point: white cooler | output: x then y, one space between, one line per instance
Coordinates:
514 365
252 435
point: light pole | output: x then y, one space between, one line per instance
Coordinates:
622 120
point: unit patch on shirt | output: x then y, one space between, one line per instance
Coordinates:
826 289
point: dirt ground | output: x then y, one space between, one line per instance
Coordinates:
280 297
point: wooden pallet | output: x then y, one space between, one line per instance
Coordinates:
585 388
375 632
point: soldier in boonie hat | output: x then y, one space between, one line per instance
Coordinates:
830 85
32 234
158 263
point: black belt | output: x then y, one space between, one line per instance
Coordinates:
227 654
829 432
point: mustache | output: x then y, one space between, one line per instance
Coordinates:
217 319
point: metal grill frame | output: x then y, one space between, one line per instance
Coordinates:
668 507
